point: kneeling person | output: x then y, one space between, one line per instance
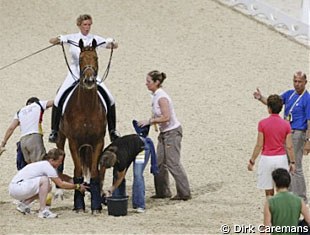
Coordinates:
33 182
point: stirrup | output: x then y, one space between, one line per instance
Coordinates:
53 136
114 134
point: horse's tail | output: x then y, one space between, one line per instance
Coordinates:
85 153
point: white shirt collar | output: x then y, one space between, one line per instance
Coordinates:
157 91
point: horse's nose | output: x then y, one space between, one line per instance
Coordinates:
89 79
89 82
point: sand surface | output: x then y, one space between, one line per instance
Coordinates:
214 59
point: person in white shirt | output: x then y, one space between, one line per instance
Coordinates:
29 118
84 23
169 141
33 181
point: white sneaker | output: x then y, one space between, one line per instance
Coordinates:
47 214
140 210
23 208
15 202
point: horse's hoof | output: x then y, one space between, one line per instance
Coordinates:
79 210
96 212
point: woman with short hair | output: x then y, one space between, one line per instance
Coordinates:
274 142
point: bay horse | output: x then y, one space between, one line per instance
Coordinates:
84 125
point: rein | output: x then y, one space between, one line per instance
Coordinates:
65 56
107 70
8 65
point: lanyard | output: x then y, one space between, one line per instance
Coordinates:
291 109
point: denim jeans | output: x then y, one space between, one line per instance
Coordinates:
138 187
121 190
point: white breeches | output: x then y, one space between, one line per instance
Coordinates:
70 80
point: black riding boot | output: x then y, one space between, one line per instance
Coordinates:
112 123
56 113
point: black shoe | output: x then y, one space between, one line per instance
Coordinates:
53 136
114 135
159 197
184 198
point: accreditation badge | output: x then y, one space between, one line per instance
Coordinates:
140 158
289 117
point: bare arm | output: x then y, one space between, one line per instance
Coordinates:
65 177
258 95
9 132
102 174
290 152
50 103
256 151
67 185
118 181
305 211
307 144
164 109
267 214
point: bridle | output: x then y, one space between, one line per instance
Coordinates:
88 73
89 67
106 72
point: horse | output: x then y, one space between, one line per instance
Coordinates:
84 125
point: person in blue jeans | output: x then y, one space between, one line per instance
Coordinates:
120 154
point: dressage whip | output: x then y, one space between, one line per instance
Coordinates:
8 65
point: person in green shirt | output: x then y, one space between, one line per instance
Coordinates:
282 211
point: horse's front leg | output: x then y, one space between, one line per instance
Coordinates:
95 182
79 203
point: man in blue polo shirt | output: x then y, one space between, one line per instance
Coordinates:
297 112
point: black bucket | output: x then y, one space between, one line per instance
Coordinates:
117 205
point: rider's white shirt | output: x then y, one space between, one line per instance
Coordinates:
87 40
74 66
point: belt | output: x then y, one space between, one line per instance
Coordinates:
31 134
295 130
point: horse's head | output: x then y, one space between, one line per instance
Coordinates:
88 64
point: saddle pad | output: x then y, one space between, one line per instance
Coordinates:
71 92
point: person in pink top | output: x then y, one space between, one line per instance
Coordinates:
274 143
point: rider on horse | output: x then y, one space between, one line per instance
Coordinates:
84 23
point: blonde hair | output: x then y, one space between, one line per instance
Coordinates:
108 157
81 18
54 154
